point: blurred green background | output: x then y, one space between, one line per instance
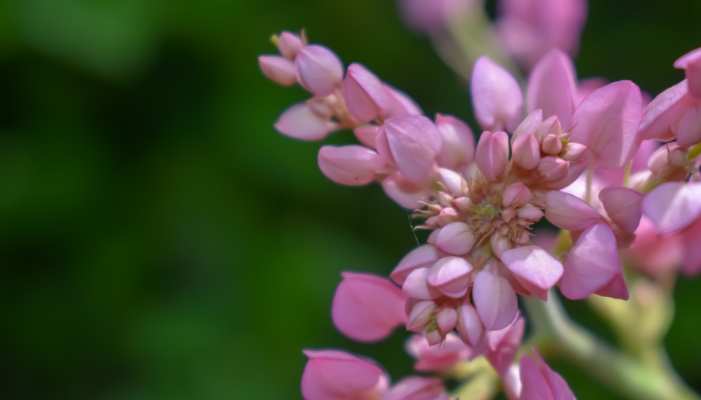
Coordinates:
159 240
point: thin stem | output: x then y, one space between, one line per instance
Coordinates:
633 379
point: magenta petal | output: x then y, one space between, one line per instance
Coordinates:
539 382
496 96
591 264
623 206
367 308
417 388
494 299
420 257
673 205
569 212
414 142
552 87
616 288
607 123
492 154
663 111
318 69
458 147
364 93
300 122
331 374
350 165
691 63
534 267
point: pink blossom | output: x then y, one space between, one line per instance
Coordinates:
330 375
367 308
496 96
539 382
278 69
318 69
500 346
673 206
530 28
302 122
417 388
438 357
492 154
365 95
458 143
350 165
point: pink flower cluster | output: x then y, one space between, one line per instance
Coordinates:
583 163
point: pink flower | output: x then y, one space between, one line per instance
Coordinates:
302 122
413 143
331 375
500 346
350 165
417 388
432 16
530 28
367 308
458 147
278 69
438 357
365 95
496 96
653 253
318 69
539 382
673 206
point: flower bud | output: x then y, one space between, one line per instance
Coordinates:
530 212
450 275
462 203
574 151
516 194
688 128
455 238
289 44
492 154
416 285
691 64
623 206
458 143
351 165
301 122
454 183
540 382
331 374
499 243
420 315
469 325
365 95
553 168
526 151
551 144
278 69
422 256
318 69
414 143
446 319
400 103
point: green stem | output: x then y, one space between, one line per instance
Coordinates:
651 380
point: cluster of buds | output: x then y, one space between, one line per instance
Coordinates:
590 165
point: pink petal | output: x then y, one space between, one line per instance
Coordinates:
289 44
417 388
278 69
591 264
688 128
496 96
364 93
469 324
458 143
673 205
420 257
318 70
451 276
616 288
437 358
691 63
403 193
492 154
416 285
534 268
552 87
539 382
350 165
526 151
569 212
663 111
607 123
494 299
691 263
623 206
503 344
331 374
367 308
455 238
401 104
414 142
367 134
300 122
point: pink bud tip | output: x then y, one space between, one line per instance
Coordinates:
458 142
496 96
278 69
301 122
455 238
331 374
365 95
526 151
289 44
450 275
351 165
492 154
318 70
691 64
414 143
540 382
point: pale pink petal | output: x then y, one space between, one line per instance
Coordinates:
492 154
289 44
318 70
469 324
494 299
691 63
365 95
416 285
688 128
503 344
663 111
526 151
607 123
440 357
616 288
405 194
450 275
539 382
401 104
455 238
331 374
422 256
417 388
458 147
367 308
623 206
534 268
278 69
691 263
351 165
496 96
414 142
569 212
591 264
552 87
673 205
367 134
300 122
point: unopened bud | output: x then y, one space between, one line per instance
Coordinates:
551 145
553 168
